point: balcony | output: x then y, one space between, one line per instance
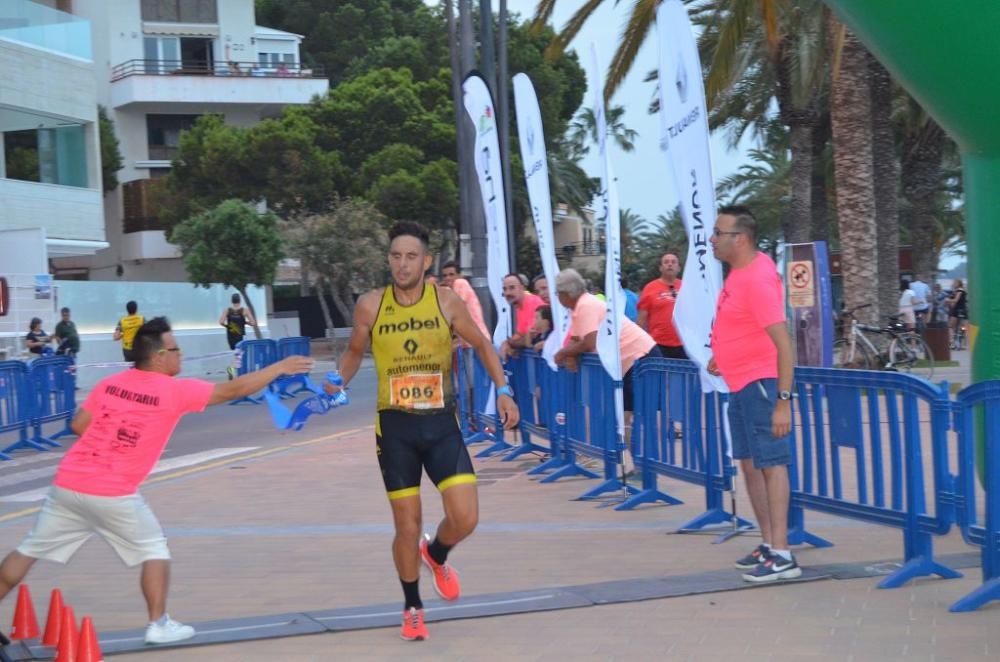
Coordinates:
65 212
182 82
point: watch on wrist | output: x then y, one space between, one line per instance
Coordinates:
785 395
505 390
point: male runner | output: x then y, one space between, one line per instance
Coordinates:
410 324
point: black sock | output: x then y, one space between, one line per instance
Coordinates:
411 594
438 551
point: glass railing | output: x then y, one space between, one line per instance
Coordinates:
36 25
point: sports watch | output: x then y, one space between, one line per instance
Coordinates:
505 390
785 395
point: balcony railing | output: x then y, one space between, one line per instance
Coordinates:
227 69
139 206
582 248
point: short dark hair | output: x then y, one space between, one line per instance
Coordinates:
410 229
545 312
451 264
35 321
521 278
746 222
534 281
904 285
131 307
235 298
149 339
64 310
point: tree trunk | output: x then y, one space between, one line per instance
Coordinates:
327 318
256 326
886 185
850 105
346 311
799 119
820 213
921 177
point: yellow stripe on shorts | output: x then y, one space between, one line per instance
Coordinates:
403 493
457 479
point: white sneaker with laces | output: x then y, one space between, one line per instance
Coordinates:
168 632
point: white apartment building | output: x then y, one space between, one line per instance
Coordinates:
50 169
159 65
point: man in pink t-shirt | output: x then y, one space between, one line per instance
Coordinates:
753 353
450 277
524 304
124 426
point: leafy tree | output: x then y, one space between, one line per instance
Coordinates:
231 244
111 156
345 246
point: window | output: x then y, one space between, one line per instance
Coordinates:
164 134
180 11
162 54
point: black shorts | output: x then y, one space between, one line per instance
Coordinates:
672 351
129 355
628 392
408 444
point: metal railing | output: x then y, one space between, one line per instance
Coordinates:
203 68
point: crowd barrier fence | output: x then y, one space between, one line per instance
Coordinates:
34 393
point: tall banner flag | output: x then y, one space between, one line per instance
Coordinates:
608 346
479 104
536 174
684 140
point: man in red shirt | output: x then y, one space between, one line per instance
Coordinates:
753 353
656 308
124 425
524 305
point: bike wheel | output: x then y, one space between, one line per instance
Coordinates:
858 358
910 353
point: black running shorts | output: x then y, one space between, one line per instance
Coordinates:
408 444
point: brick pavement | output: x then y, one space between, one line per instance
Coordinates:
310 529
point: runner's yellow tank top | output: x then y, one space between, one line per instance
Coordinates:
412 346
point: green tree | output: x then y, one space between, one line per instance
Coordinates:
231 244
345 246
111 156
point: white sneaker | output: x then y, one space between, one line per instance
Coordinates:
168 632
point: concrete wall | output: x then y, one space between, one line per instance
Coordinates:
69 89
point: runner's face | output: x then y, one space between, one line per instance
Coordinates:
408 260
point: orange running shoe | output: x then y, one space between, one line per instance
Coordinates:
413 625
445 577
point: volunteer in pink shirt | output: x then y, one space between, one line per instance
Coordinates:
587 314
752 351
124 425
524 304
450 277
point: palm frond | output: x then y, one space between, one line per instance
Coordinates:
543 12
633 36
571 29
731 34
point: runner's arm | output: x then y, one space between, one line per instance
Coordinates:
250 320
222 318
254 381
350 360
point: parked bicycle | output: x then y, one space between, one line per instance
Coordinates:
907 350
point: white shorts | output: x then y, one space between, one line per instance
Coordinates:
68 519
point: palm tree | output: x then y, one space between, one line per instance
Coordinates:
850 109
584 130
886 182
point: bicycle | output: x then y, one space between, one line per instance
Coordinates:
960 338
907 350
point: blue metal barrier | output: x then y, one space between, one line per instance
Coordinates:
292 346
531 377
679 432
256 354
15 405
977 410
52 384
474 401
585 402
841 415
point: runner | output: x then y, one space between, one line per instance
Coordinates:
410 324
235 318
127 328
124 425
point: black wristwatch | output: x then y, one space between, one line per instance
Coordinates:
785 395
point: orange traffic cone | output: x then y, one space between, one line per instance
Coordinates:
68 636
51 636
25 623
88 650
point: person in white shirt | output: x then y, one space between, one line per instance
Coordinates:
906 300
921 302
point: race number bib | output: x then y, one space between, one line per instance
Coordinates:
417 391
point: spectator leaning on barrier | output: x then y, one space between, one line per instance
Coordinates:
450 277
540 286
587 314
524 304
127 328
124 425
753 353
66 335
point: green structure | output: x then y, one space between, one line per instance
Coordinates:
946 55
